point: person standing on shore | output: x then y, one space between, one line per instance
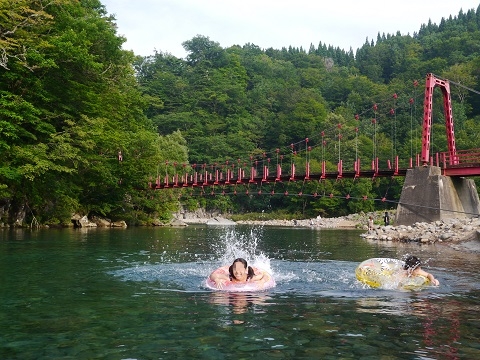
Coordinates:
386 218
370 223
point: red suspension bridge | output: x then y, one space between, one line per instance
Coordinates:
297 163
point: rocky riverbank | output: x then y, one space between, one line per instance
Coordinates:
459 233
344 222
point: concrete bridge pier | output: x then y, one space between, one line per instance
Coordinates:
428 196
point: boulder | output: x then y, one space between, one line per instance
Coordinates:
177 223
220 221
157 222
121 223
101 222
82 221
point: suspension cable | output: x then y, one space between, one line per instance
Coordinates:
465 87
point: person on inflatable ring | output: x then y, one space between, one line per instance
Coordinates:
239 272
412 267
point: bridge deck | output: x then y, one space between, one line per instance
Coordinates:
284 178
462 164
472 169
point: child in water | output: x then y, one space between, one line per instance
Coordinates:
412 266
239 272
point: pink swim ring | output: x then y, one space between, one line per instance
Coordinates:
240 286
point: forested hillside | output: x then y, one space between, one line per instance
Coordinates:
85 125
242 102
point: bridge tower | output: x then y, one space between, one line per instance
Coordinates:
427 195
444 85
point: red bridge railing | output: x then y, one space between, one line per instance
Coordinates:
462 163
212 175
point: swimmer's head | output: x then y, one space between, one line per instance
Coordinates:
411 263
240 271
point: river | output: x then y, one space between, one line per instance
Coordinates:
139 293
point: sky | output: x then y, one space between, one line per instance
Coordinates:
163 25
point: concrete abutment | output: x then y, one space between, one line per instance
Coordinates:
428 196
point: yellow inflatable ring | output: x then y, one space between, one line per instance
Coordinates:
388 274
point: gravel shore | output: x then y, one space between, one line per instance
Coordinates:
458 233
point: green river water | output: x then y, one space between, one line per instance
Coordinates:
139 293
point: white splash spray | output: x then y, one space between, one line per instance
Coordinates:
234 244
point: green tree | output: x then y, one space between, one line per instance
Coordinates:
74 135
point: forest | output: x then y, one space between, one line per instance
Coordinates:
85 126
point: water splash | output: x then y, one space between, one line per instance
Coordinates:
234 244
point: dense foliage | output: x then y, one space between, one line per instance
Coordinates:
85 125
73 133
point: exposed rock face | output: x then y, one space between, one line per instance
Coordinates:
199 216
4 212
157 222
121 223
101 222
82 221
219 221
12 215
177 223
